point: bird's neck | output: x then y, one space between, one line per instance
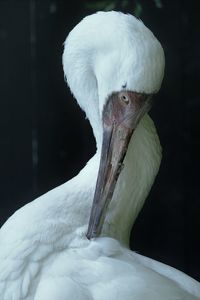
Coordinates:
141 165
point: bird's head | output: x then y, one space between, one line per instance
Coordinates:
114 65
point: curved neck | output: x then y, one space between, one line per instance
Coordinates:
141 165
143 156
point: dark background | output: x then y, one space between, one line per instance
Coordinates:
45 139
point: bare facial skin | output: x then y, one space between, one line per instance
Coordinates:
121 115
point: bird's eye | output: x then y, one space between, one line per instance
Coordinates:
124 98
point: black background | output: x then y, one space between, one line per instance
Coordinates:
45 139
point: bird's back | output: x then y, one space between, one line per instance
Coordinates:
106 270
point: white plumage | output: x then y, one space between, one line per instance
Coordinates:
44 252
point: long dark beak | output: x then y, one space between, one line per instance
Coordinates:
120 117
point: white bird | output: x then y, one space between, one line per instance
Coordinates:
113 65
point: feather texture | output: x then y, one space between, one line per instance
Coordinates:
44 252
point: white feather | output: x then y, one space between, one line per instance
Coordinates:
44 253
